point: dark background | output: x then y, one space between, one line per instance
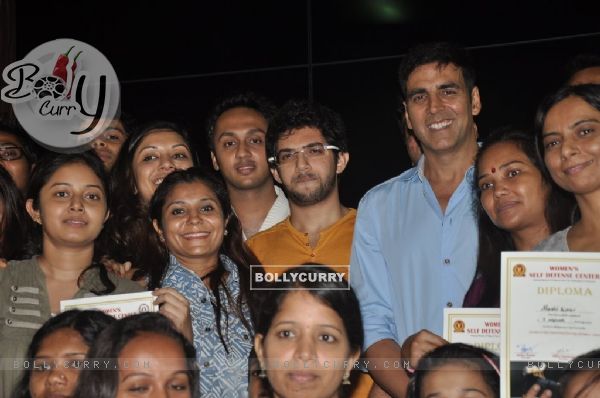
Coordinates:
175 58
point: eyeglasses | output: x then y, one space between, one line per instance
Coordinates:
310 151
11 153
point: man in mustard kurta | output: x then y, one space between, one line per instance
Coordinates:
308 151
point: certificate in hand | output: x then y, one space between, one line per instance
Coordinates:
549 313
117 305
479 327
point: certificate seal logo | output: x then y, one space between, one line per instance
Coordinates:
143 308
519 271
459 326
64 93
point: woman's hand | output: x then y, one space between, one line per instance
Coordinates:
176 307
124 270
534 390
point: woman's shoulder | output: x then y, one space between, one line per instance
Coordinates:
556 242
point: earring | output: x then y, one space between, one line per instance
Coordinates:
161 238
346 380
226 233
262 374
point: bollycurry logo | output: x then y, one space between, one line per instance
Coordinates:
64 93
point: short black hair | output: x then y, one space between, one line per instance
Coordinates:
249 100
441 53
296 114
581 62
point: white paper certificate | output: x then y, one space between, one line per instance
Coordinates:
479 327
549 307
117 305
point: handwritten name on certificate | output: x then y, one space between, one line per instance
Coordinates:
479 327
549 307
117 305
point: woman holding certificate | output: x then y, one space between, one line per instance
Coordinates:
519 206
568 126
67 201
209 267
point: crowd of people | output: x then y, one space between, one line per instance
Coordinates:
137 212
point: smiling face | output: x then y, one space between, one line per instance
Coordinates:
165 375
311 337
72 208
571 138
513 192
109 144
584 384
439 108
158 154
193 224
51 378
455 381
240 154
308 180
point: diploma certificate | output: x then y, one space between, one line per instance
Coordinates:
117 305
479 327
549 311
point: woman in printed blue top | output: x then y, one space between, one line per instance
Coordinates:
209 266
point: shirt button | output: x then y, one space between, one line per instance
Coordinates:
206 364
14 288
9 321
308 244
446 261
449 304
207 329
14 298
245 337
203 300
312 254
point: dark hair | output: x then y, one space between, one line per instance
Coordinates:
243 100
128 122
441 53
590 358
296 114
581 62
334 294
42 173
485 362
111 342
589 93
88 324
26 144
15 223
130 236
494 240
233 245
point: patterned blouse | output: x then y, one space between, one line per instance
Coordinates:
222 374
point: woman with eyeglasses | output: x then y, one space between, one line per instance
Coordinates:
15 155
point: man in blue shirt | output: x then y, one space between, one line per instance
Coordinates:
415 240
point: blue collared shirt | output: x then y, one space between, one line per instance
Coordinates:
222 374
409 259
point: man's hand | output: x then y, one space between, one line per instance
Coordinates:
124 270
419 344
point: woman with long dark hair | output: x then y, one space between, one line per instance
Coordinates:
518 207
68 202
568 135
210 266
145 160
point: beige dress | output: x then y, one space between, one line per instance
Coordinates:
24 307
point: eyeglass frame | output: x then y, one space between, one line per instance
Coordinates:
296 152
8 147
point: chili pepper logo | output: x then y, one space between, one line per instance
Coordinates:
64 93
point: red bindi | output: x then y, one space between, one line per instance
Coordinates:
493 169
